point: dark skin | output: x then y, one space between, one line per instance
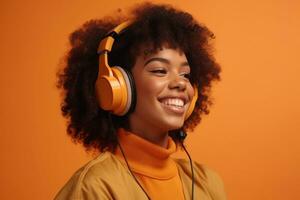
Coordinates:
161 78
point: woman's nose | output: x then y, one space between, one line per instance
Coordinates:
177 82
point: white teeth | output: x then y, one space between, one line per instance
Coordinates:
173 102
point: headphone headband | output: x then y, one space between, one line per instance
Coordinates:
106 43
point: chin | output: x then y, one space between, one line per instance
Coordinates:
171 120
174 124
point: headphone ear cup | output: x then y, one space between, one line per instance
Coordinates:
192 104
129 88
108 92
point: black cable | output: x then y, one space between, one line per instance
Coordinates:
114 131
191 163
132 172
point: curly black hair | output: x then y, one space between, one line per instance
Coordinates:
153 25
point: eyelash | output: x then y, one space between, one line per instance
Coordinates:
161 71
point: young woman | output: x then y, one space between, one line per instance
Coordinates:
132 88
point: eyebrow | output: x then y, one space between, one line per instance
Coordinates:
163 60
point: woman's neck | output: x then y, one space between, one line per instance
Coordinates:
150 133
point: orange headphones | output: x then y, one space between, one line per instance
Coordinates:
115 89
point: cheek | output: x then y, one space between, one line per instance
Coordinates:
148 88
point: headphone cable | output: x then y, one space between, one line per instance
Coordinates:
115 132
132 172
192 169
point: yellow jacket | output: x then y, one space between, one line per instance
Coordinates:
107 176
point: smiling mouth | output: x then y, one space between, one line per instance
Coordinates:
173 105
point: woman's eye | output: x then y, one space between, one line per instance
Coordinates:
159 71
187 76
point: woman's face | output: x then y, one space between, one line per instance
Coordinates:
163 92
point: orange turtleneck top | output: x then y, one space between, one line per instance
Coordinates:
107 176
152 165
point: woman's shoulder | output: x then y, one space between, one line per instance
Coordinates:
90 177
205 177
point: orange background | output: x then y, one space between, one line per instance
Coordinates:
251 137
